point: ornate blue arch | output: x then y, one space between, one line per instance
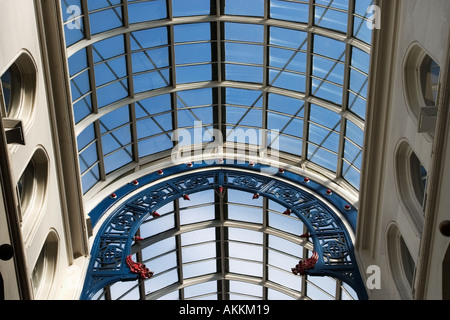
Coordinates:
327 229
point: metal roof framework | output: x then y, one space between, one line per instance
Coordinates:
299 67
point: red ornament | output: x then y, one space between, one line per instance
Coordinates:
156 214
329 192
256 196
139 268
281 170
136 238
135 182
190 165
305 235
113 196
160 172
186 197
220 189
287 212
306 264
306 179
347 207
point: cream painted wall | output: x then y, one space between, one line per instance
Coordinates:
425 23
20 34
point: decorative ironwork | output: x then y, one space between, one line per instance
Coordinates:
332 245
245 182
195 182
306 264
110 256
138 268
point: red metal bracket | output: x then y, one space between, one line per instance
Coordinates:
139 268
306 264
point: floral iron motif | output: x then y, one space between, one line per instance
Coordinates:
139 268
305 264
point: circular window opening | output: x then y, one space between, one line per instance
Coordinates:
44 268
31 186
18 85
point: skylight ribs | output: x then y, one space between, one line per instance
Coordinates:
341 87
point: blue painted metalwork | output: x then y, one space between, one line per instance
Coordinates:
328 232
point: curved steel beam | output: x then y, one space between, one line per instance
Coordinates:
328 218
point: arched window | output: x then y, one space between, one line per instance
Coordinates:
32 184
18 84
17 92
44 269
421 78
411 180
401 262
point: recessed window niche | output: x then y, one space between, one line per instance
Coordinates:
18 86
421 81
411 181
44 269
401 263
32 184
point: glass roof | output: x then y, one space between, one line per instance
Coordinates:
238 242
257 262
138 71
141 69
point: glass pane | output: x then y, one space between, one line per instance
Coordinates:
154 105
322 157
108 48
190 8
285 246
192 32
280 260
285 278
287 10
198 252
198 236
245 8
197 214
200 289
199 268
86 137
331 19
244 32
245 251
147 10
246 288
162 263
159 281
159 248
286 105
148 38
254 269
194 73
245 235
192 53
105 20
243 97
154 145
